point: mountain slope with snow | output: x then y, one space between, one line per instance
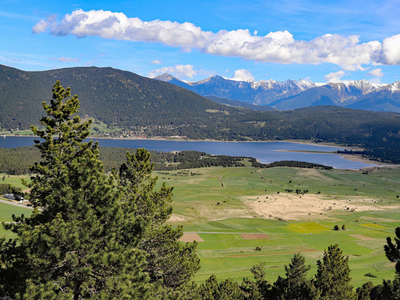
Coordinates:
291 94
257 92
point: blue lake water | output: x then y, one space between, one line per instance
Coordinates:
265 152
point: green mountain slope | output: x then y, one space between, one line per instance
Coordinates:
113 96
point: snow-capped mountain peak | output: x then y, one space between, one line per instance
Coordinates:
291 94
395 87
305 84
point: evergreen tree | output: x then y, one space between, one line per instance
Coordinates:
363 292
83 239
392 250
390 290
332 280
169 263
224 290
259 288
295 286
376 292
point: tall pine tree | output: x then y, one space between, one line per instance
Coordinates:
168 262
332 280
391 289
90 235
392 250
296 285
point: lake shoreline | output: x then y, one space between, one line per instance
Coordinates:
351 157
304 142
360 158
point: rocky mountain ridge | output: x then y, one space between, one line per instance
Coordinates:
292 94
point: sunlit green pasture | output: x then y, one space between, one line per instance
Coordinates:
13 180
6 212
212 205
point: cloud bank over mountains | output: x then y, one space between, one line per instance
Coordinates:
278 47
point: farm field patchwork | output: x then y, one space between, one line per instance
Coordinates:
223 204
241 216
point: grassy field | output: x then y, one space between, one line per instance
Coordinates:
222 205
216 203
14 180
6 212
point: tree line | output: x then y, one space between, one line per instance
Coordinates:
94 235
16 161
8 189
289 163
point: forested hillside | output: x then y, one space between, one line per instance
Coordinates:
113 96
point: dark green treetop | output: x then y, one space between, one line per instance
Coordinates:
257 287
223 290
332 280
392 250
363 292
296 285
391 289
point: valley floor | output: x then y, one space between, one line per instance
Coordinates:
241 216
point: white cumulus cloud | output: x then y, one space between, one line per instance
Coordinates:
390 52
243 75
156 62
279 47
41 26
376 73
334 77
180 71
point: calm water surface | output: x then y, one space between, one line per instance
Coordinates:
265 152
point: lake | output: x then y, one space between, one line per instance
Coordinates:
265 152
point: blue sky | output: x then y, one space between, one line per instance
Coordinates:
281 39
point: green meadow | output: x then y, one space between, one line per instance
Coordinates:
214 204
6 212
14 180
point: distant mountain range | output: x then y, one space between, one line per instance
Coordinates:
291 94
